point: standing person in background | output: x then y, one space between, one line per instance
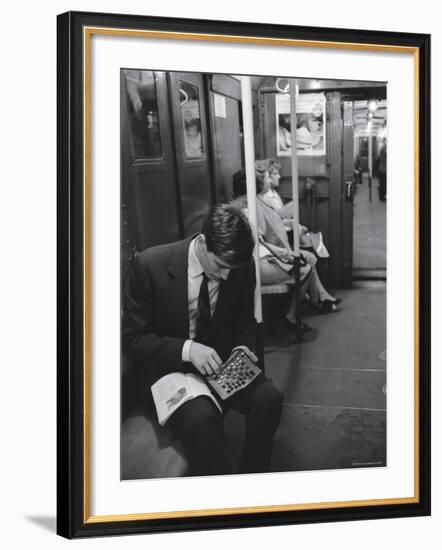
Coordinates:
357 170
382 170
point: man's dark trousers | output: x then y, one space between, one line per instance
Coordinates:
199 427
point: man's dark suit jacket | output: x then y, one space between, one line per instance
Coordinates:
156 311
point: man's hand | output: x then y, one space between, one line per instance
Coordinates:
249 353
205 359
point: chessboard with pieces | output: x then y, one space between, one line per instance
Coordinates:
236 374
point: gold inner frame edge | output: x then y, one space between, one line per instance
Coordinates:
87 33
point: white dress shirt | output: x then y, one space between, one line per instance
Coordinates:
194 279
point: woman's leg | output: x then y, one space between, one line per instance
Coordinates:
309 257
272 274
316 289
316 292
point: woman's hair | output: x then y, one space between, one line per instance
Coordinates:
239 178
228 235
261 167
273 165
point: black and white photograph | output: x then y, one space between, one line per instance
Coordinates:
253 274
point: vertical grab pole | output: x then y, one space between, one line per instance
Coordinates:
249 155
370 165
295 196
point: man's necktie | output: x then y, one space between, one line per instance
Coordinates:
203 325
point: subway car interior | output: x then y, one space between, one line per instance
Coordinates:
183 138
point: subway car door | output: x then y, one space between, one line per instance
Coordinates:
225 117
149 197
188 101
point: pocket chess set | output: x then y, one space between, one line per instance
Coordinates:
236 374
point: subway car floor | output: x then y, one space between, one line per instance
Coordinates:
369 231
334 385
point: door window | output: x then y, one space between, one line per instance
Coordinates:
144 124
191 120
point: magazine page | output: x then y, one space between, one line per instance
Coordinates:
175 389
199 387
169 393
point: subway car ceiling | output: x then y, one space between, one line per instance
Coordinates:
182 141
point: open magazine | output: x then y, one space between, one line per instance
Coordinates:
173 390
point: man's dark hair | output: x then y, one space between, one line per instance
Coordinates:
239 184
239 178
228 235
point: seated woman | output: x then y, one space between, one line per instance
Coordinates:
273 199
276 256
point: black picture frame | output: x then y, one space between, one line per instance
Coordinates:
73 520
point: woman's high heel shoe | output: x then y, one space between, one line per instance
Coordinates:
328 306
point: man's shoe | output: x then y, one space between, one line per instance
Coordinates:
292 325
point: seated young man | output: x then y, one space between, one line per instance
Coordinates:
187 306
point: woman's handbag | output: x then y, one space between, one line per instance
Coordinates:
314 242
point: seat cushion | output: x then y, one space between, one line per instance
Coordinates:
281 288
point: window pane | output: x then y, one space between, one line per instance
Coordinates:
144 126
191 120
